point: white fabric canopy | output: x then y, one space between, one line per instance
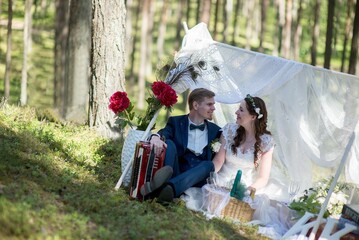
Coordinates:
312 111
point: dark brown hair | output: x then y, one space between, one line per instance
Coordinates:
198 95
260 126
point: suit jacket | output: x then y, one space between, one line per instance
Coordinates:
176 129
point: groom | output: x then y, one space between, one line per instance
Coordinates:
187 140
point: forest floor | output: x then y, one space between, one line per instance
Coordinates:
57 182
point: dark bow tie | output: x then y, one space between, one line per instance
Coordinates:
200 127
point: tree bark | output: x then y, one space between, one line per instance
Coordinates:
315 35
77 71
198 13
346 33
329 35
264 8
134 47
216 19
129 42
188 12
249 13
150 39
298 31
107 63
354 48
61 35
206 12
162 29
228 9
143 55
279 29
26 38
235 23
8 52
287 30
181 7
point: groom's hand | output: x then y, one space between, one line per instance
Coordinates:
158 145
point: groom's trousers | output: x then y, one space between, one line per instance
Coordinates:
189 170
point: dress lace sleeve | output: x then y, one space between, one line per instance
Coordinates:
267 142
229 132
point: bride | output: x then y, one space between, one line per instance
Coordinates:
248 146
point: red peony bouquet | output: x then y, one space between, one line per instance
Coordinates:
163 96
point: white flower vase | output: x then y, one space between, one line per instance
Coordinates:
128 151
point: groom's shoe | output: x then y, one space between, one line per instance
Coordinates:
159 179
166 195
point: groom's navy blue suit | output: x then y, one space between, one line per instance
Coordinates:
188 169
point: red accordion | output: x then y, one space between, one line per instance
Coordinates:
145 165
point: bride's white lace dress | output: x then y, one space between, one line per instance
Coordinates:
273 216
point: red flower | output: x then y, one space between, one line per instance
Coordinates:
119 102
168 97
159 87
164 93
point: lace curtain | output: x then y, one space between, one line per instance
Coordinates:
312 111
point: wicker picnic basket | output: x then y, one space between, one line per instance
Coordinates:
221 204
238 209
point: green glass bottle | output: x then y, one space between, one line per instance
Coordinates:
238 189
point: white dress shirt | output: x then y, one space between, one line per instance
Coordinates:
197 139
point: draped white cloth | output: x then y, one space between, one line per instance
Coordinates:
312 111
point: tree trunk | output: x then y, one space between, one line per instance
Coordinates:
346 33
315 35
129 11
61 35
298 31
206 12
216 19
107 62
354 48
26 37
143 55
188 12
264 8
134 47
78 62
235 23
162 29
180 10
279 29
329 35
150 39
198 13
228 9
30 31
256 23
249 13
287 30
8 52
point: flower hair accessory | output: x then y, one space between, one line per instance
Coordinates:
255 108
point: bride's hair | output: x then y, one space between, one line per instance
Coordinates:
260 123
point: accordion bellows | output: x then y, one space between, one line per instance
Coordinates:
144 167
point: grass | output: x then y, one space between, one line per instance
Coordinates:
57 182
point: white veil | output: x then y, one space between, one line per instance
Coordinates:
312 111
